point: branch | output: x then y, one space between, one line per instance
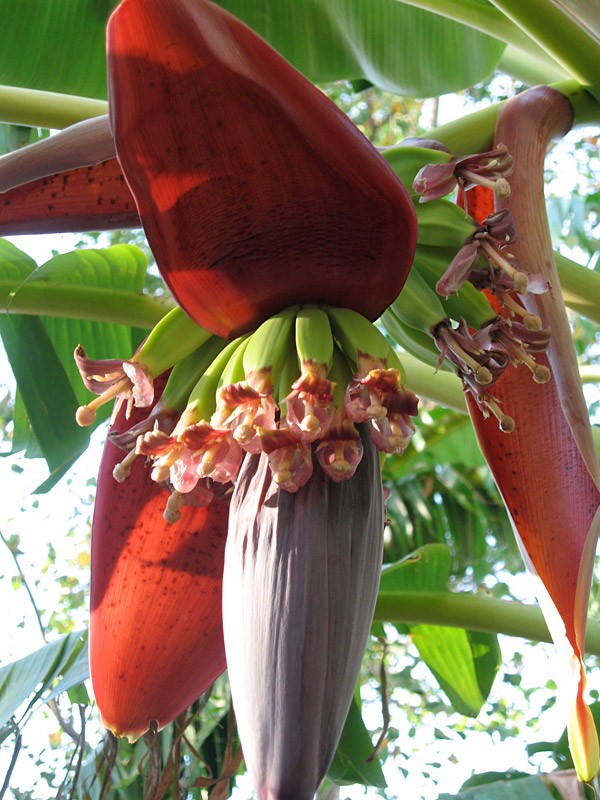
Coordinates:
474 612
46 109
474 132
25 586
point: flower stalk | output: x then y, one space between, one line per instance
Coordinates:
547 473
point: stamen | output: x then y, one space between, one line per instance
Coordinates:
310 423
505 423
500 186
531 321
207 463
376 411
85 415
122 470
243 434
520 279
482 374
282 476
541 374
172 512
160 473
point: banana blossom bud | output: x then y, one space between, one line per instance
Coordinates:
299 589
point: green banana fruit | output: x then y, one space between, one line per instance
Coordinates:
468 303
356 336
267 350
171 340
418 305
203 397
314 339
186 373
443 224
234 369
417 342
288 374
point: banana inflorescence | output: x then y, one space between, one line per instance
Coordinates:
294 389
462 302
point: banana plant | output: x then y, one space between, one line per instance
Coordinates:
274 221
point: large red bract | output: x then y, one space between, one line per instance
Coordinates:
84 199
156 634
254 189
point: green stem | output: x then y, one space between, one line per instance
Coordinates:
589 373
474 132
82 302
474 612
558 34
488 20
580 287
46 109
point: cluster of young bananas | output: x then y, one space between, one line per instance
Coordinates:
295 389
442 316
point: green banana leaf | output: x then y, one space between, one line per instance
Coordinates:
393 45
38 675
354 760
58 45
463 662
40 350
529 788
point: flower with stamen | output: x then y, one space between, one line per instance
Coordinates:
463 350
241 410
392 433
499 269
309 406
217 454
517 341
128 380
290 458
482 169
340 449
174 338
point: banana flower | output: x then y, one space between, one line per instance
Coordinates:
299 590
546 468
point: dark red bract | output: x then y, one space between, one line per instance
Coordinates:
255 191
84 199
156 634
